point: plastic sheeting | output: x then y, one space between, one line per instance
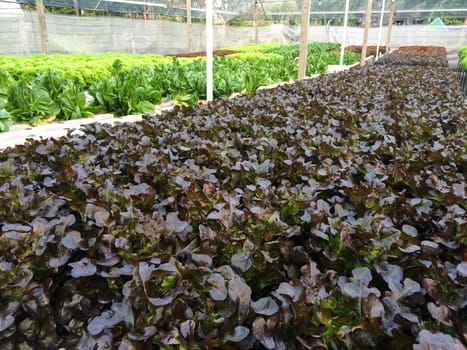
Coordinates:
269 9
19 35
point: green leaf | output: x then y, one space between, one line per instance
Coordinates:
145 107
31 105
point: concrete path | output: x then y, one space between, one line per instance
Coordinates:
19 133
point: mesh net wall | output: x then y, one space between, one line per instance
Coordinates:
159 26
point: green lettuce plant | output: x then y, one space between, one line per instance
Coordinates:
5 117
31 104
126 93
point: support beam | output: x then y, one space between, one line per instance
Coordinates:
209 48
256 20
75 5
344 36
42 26
189 25
303 53
391 19
366 31
381 18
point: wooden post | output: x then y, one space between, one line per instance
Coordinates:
305 23
344 36
42 26
256 21
209 54
189 24
381 18
75 5
391 19
365 33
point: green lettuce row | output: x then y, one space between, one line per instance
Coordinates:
90 68
133 84
462 67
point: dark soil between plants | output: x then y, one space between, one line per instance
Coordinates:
370 50
426 51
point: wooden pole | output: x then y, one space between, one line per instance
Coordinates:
303 53
391 19
256 21
75 4
190 26
367 30
344 36
209 54
381 18
42 26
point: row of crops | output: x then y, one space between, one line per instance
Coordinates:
462 68
325 214
33 93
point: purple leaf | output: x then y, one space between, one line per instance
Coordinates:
240 333
241 261
107 319
6 321
82 268
357 287
60 260
187 329
265 306
16 227
145 270
71 240
161 301
462 269
240 294
439 341
218 291
409 230
392 275
440 313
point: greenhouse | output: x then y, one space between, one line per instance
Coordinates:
242 174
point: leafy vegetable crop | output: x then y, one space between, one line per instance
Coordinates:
123 87
5 117
324 214
462 52
49 97
88 68
126 93
31 104
462 68
91 68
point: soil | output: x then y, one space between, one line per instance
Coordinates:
427 51
370 50
203 53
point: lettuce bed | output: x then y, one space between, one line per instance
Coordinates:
462 68
38 89
328 213
462 52
91 68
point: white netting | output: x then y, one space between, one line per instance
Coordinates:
163 33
